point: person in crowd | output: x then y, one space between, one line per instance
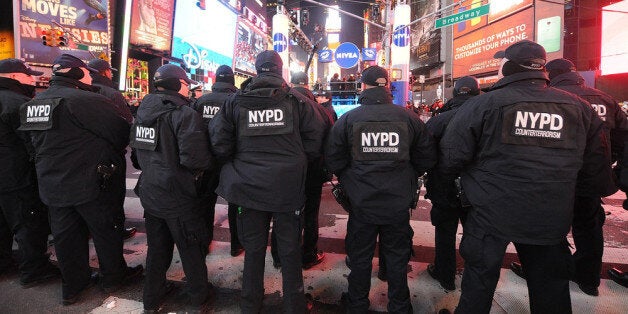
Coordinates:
335 84
517 144
589 216
173 152
77 138
315 177
378 151
323 98
195 93
208 105
22 214
265 134
447 208
103 80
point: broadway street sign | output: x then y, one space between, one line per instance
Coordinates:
463 16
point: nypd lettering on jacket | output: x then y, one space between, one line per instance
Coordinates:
144 137
600 110
540 124
210 111
273 120
38 114
380 141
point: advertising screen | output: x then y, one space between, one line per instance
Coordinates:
498 10
151 24
614 33
86 20
204 37
473 53
425 39
250 41
549 28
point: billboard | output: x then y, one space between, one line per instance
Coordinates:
614 33
425 39
498 10
473 52
151 24
250 41
86 20
204 38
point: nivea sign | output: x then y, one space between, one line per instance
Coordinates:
280 42
401 36
369 54
325 56
347 55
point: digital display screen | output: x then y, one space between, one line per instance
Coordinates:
151 24
614 33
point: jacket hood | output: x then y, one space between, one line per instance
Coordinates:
156 104
17 87
264 89
521 76
569 78
375 95
102 80
222 87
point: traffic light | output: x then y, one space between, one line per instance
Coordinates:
305 17
61 38
293 16
46 37
376 12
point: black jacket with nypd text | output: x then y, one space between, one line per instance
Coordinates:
441 187
106 88
377 151
615 121
265 135
18 170
73 130
209 104
520 149
172 149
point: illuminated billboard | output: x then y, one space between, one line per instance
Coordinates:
614 54
86 20
151 24
204 37
250 41
425 39
473 53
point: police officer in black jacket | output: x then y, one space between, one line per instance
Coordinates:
77 137
102 80
442 191
378 151
22 214
314 179
520 150
207 106
265 135
172 149
589 216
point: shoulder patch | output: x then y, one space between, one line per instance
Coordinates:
38 114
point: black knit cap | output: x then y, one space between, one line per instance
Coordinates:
299 78
526 54
557 67
224 74
375 76
13 65
268 61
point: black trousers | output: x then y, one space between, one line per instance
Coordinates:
192 239
24 216
232 214
588 237
547 269
253 227
71 227
445 219
395 242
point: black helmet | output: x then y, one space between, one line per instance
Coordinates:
467 85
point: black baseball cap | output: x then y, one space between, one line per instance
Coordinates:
224 73
557 67
100 65
299 78
375 76
526 54
13 65
322 93
172 71
66 61
268 61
